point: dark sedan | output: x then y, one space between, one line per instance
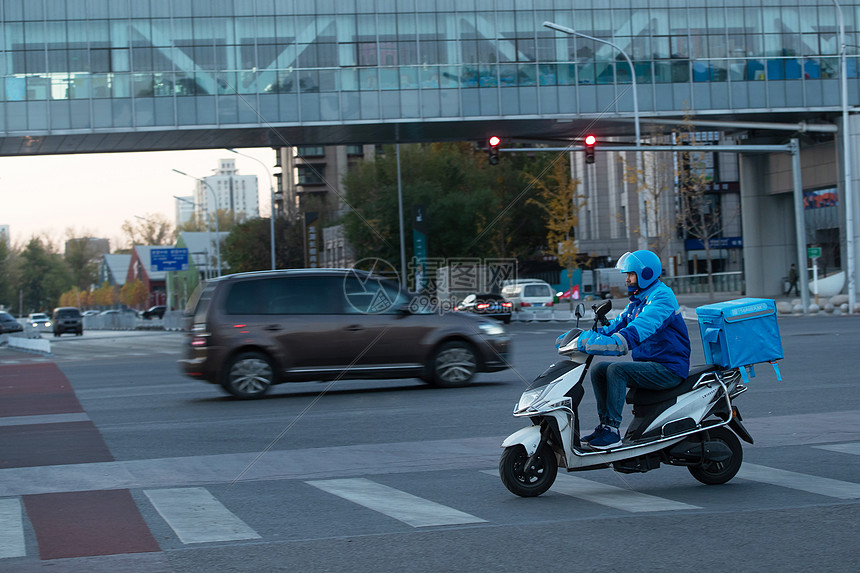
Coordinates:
154 312
8 323
489 305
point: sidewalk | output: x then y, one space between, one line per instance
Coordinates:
689 302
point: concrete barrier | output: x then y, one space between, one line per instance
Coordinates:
39 345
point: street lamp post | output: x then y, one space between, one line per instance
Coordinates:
846 160
217 231
643 218
271 200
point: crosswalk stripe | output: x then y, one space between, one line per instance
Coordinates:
617 497
803 482
197 517
851 448
611 496
405 507
11 529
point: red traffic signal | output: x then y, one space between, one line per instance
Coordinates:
493 149
590 140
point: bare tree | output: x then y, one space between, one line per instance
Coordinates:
700 209
655 180
153 229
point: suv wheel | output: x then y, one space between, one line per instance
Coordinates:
454 364
249 375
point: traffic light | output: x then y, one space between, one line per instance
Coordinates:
590 140
493 149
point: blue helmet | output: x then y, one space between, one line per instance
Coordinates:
645 264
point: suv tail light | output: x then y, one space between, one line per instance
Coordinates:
199 336
524 303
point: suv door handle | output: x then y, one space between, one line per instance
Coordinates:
272 327
355 328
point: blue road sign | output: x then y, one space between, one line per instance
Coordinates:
168 259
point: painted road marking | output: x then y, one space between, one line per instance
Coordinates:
11 529
44 419
197 517
405 507
611 496
803 482
617 497
851 448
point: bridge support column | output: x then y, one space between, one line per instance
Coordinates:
768 228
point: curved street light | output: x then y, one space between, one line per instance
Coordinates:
643 218
271 200
215 201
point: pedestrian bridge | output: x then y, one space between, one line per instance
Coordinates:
98 76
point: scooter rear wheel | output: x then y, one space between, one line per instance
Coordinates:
531 480
715 473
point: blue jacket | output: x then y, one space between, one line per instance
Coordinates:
654 329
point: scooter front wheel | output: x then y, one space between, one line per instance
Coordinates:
525 477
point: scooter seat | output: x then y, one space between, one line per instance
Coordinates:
644 397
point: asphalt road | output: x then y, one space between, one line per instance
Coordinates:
394 475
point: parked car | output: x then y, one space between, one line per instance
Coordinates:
39 321
154 312
250 331
120 311
67 319
8 324
489 305
529 293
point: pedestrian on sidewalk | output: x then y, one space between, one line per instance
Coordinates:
792 280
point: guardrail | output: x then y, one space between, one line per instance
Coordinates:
126 321
689 284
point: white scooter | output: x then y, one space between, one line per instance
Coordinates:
693 425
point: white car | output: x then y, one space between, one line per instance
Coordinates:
40 321
529 294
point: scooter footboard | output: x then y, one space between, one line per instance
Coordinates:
528 437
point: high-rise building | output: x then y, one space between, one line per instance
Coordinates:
232 192
184 210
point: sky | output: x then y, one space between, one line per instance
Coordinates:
94 194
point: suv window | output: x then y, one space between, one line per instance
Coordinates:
68 313
292 295
536 290
373 296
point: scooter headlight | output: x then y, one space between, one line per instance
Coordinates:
530 397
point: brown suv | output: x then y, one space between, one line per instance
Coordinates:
249 331
67 319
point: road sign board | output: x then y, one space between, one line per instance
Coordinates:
168 259
813 252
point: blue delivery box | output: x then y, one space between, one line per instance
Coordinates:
740 332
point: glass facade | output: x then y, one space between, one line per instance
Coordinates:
111 64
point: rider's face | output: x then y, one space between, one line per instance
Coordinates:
632 280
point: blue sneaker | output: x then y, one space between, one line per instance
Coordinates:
597 431
608 438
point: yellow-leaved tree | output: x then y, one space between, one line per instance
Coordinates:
558 197
133 293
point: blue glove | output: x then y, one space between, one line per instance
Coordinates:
601 345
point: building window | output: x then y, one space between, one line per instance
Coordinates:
310 151
310 174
